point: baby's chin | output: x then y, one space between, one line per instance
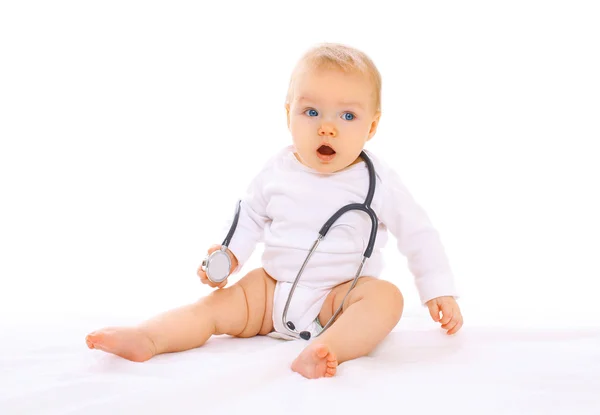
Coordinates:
321 165
332 166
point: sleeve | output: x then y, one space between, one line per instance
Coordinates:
417 240
251 223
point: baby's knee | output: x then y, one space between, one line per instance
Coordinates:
223 297
390 298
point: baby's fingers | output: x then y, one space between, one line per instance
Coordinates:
455 323
456 328
204 278
213 284
447 314
450 324
434 311
213 248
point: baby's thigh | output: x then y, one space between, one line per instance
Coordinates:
258 288
384 291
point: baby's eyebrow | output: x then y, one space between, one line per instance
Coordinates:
352 104
343 103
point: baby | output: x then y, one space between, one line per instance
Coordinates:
333 109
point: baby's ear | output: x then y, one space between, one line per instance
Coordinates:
287 113
374 125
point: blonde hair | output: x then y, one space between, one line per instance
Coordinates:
340 57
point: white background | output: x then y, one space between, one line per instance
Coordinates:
128 131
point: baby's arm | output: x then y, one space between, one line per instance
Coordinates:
249 229
419 241
251 224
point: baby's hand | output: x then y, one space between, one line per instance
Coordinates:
452 319
204 278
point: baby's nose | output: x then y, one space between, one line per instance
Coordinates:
327 130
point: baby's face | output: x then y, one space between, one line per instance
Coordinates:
331 118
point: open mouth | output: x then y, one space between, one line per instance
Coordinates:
325 152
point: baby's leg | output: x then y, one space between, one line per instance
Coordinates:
370 312
242 310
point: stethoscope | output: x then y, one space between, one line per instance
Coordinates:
217 265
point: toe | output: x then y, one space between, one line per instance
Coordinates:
90 345
330 371
332 363
92 339
321 350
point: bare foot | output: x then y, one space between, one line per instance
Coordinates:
315 361
128 342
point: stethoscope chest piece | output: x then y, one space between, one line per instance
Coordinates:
217 265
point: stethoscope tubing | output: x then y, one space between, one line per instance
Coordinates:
364 207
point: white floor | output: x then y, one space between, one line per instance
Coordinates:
47 369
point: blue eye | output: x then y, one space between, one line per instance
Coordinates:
348 116
311 113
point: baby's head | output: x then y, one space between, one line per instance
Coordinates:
333 106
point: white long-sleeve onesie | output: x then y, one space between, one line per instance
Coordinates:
286 205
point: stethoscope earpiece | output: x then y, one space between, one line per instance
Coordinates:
305 335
